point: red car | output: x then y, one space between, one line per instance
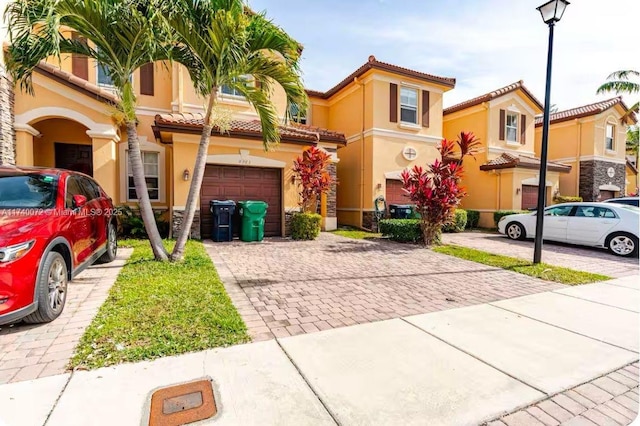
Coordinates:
53 224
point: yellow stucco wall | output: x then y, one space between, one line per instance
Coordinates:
56 130
349 171
632 181
185 148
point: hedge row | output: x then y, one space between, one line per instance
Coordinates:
409 231
305 226
500 213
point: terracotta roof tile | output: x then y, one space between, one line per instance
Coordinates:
492 95
508 161
584 111
373 63
76 83
248 128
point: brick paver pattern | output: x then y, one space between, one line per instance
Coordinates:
31 351
283 287
608 400
598 261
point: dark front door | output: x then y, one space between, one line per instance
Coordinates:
242 184
74 157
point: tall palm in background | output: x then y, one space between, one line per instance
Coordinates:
222 43
621 82
122 36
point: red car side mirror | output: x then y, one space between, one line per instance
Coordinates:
79 201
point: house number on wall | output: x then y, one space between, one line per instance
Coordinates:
244 161
611 172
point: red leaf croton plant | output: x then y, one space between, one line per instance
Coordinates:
312 177
436 190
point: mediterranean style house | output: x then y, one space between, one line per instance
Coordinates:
591 139
504 176
392 119
69 124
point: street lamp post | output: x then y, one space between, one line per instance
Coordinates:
551 13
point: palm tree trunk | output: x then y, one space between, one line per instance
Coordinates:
137 169
196 181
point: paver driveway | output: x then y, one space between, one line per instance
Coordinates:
588 259
30 351
283 287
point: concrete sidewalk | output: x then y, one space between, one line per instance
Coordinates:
458 367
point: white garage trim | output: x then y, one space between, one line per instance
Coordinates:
609 187
534 181
394 175
244 159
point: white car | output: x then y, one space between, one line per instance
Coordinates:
608 225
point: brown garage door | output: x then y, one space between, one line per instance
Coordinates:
395 193
605 195
242 184
529 197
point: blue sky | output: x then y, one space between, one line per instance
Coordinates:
483 44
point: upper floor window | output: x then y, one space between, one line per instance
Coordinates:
150 163
297 115
609 138
408 105
511 127
228 90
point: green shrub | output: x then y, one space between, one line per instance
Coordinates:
497 215
305 226
459 222
473 217
402 230
567 199
130 224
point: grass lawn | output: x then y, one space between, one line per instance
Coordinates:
356 234
159 309
541 270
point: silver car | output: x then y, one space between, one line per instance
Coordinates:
609 225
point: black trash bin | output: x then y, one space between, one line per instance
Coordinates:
400 211
222 219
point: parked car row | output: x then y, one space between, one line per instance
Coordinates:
609 225
53 224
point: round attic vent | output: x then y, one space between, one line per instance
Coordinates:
409 153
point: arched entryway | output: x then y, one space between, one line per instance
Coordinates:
63 144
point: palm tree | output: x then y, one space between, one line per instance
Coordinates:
620 82
222 43
121 35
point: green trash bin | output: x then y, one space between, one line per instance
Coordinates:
252 215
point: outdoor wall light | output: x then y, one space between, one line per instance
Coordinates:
517 191
185 175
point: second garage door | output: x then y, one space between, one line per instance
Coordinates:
242 184
395 194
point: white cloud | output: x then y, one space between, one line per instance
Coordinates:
489 44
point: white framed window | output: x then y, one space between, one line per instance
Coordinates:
297 115
151 165
408 105
609 137
232 91
511 126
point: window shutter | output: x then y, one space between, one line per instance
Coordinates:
425 108
503 123
393 102
80 63
523 129
146 79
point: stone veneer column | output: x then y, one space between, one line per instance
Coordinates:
7 133
330 220
594 173
176 224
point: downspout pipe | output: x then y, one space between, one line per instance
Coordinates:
360 83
